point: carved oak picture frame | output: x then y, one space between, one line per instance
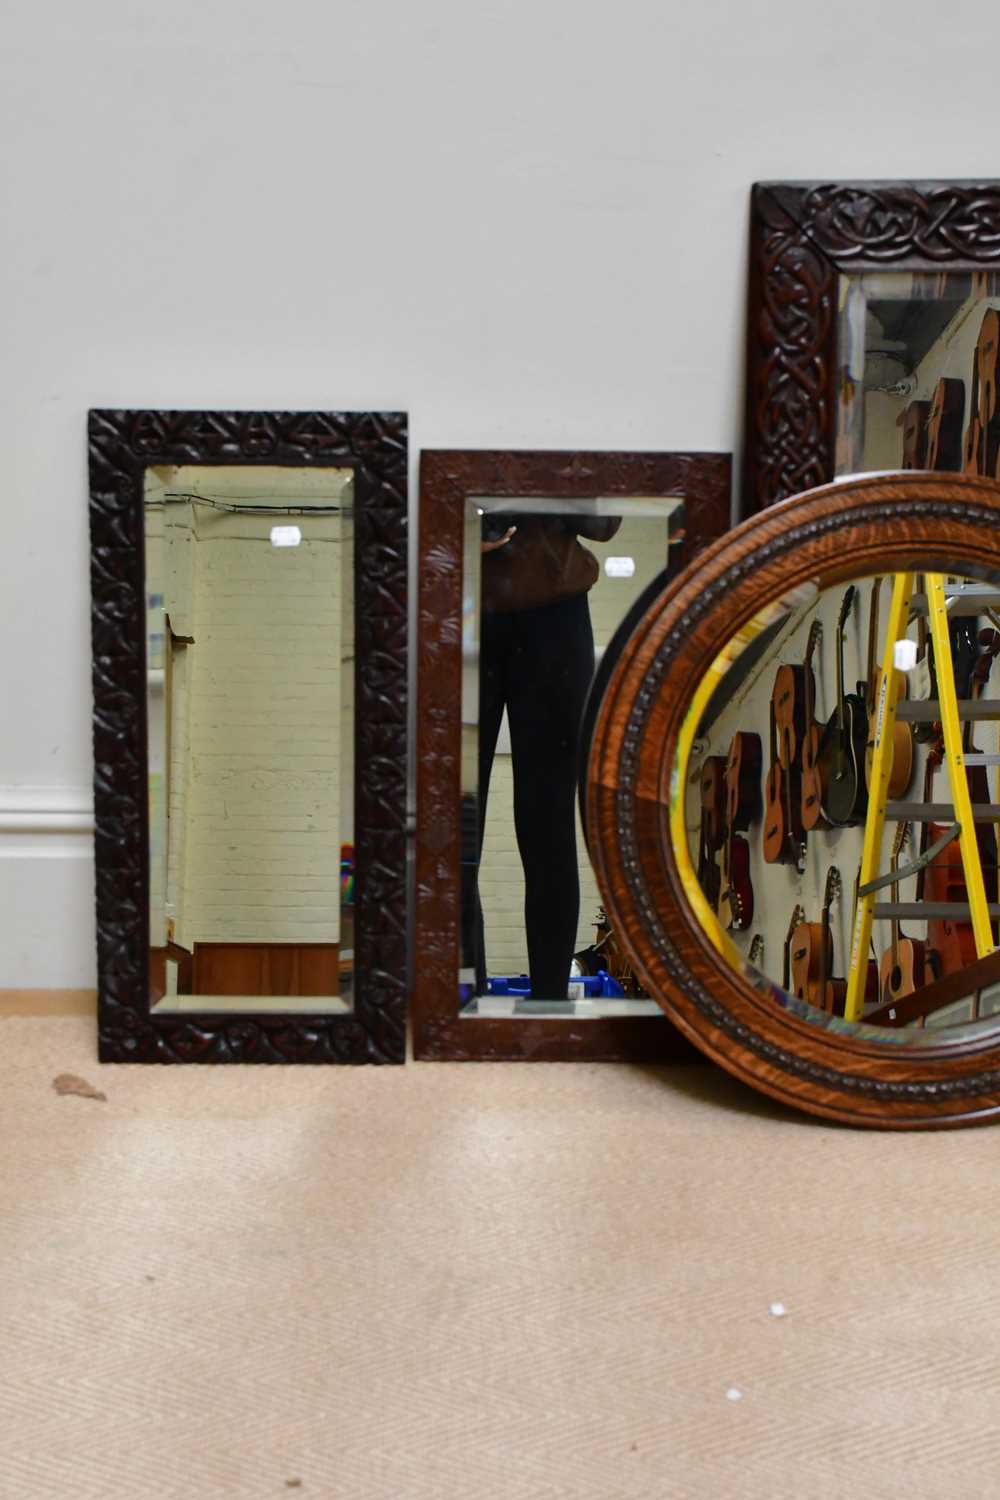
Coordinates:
122 444
803 237
446 480
848 1071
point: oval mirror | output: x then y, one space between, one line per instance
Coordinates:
792 800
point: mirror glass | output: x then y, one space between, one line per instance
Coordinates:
917 372
780 802
250 709
546 584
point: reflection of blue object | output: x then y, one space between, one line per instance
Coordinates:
593 986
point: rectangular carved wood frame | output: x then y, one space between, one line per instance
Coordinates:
802 236
122 445
446 480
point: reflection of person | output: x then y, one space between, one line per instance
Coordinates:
536 660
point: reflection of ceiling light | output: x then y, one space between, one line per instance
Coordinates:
619 567
904 655
285 536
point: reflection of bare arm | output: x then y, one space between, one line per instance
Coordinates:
596 528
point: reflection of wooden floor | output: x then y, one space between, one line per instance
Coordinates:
48 1002
266 969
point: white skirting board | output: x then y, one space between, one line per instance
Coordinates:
47 936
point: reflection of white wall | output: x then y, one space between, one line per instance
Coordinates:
263 841
257 724
501 879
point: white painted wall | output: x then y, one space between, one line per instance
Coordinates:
525 222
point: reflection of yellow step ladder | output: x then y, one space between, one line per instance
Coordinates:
956 760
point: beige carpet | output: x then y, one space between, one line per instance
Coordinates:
522 1282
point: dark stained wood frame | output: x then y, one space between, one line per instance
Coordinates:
122 445
446 479
803 235
858 1074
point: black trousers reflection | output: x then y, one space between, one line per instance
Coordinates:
538 664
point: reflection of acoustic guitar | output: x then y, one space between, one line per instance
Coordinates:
902 737
915 435
944 425
812 955
812 785
903 962
842 746
756 954
742 781
782 828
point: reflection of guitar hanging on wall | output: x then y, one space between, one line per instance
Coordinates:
812 786
903 962
944 425
812 956
743 766
713 826
842 746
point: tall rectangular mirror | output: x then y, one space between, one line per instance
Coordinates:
249 591
530 566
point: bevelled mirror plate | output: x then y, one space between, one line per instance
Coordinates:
249 585
531 566
793 800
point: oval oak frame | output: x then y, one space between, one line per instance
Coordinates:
857 1074
122 444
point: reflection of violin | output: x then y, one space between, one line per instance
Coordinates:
736 900
713 813
902 968
902 736
812 955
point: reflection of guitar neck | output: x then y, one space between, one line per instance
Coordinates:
872 639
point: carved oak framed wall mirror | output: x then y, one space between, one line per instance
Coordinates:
249 673
872 343
792 800
528 564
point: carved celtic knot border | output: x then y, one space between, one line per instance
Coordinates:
802 237
781 544
122 444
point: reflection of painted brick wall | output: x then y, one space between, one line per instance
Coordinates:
264 794
501 881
